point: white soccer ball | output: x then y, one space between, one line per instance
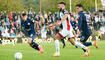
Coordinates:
18 56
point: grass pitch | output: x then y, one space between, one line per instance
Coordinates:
68 53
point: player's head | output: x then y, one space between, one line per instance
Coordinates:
79 7
61 5
24 16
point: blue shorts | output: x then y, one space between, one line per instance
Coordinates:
32 36
84 37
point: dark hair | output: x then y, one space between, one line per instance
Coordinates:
79 5
62 3
24 14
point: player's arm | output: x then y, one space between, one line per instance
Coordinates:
79 25
78 32
80 22
63 19
74 32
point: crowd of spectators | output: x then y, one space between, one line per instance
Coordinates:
10 23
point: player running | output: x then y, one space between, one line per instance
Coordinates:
83 28
29 31
67 30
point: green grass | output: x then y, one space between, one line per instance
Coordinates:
69 53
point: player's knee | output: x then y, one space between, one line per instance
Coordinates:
29 41
82 42
72 41
55 38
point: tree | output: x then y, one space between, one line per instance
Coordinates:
11 5
47 5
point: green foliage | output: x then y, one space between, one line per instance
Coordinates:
47 5
51 5
11 5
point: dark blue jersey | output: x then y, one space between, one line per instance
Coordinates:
83 26
73 23
28 27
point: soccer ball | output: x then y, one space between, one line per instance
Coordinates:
18 56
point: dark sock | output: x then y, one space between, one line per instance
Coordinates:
0 41
88 44
84 50
35 45
62 40
76 46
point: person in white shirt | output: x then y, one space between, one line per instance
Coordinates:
67 30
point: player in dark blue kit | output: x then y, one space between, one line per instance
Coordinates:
83 28
29 31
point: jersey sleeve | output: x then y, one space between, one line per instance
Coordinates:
65 11
80 22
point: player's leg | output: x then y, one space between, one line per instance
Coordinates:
78 44
63 41
56 40
59 36
71 40
43 38
1 36
34 45
83 40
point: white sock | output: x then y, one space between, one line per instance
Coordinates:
86 52
57 46
80 45
92 43
44 41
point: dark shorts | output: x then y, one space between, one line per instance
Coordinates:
32 36
85 35
0 33
84 38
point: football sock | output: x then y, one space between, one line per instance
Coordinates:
34 45
57 46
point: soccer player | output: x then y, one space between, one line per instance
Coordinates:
43 33
43 29
30 32
67 30
84 28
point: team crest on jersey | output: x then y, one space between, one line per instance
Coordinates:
28 23
31 35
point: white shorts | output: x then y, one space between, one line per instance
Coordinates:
66 33
43 35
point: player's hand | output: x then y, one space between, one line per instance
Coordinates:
76 36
